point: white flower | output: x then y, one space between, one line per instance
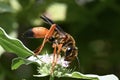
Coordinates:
62 62
45 61
48 59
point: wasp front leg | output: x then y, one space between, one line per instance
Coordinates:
59 46
54 58
56 52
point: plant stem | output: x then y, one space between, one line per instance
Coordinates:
51 77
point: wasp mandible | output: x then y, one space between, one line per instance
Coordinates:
61 41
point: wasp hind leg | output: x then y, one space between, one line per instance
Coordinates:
47 36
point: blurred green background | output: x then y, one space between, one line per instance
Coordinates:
95 25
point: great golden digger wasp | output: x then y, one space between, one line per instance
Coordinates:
61 41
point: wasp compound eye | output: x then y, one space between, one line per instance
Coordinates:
68 51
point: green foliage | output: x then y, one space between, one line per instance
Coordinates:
13 45
82 76
17 62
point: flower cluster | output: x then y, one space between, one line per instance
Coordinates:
45 62
47 59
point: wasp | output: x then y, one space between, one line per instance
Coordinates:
61 41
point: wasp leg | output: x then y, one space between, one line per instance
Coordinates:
39 49
55 55
51 31
59 49
54 59
47 36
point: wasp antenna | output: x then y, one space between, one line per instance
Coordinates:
46 19
78 62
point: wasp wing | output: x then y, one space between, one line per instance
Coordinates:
58 28
47 20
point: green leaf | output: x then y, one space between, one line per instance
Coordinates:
81 76
92 76
13 45
17 62
42 75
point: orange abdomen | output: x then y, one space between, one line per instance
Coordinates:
39 32
36 32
